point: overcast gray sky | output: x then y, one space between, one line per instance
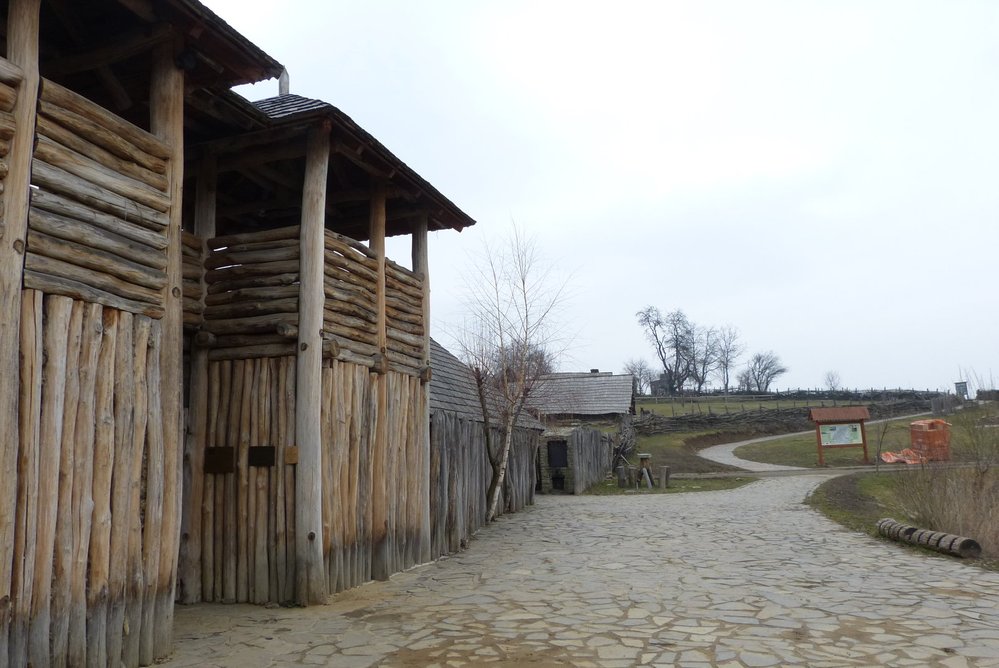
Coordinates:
822 175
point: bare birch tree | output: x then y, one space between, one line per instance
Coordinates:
670 335
642 372
509 343
730 348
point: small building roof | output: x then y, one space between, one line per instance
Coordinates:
452 388
591 393
841 414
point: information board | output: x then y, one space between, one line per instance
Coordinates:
841 434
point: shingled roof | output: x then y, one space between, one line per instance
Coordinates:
585 394
452 388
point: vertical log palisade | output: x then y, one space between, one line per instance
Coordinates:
216 386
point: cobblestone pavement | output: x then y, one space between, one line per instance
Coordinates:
745 577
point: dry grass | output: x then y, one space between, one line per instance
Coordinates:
963 501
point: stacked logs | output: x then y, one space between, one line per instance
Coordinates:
192 284
97 225
957 546
404 319
248 506
251 305
87 585
350 311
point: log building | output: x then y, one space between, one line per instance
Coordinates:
214 383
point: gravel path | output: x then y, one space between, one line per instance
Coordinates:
744 577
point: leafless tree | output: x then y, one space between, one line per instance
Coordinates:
509 342
642 372
730 348
764 369
832 381
670 335
703 347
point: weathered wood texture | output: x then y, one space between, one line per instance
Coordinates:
459 478
89 486
98 220
192 284
349 415
252 293
248 513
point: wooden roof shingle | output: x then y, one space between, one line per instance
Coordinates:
585 394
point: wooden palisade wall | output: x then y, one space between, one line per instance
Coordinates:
90 514
460 474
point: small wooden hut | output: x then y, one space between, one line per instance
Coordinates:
574 455
459 469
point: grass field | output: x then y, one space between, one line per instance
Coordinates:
801 450
673 451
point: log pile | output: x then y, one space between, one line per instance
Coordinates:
97 224
248 511
87 586
460 474
251 301
957 546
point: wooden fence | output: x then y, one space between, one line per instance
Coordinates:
460 474
94 511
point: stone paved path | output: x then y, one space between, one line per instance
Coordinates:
725 454
746 577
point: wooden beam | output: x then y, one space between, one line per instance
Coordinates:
117 49
167 124
310 585
71 24
189 566
261 156
421 265
379 509
22 51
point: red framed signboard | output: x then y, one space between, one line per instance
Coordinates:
840 428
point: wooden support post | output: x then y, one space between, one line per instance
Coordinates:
167 123
379 458
22 51
309 568
421 265
189 567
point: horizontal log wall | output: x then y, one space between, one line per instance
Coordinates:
192 258
97 224
251 301
460 474
90 487
351 314
248 513
404 318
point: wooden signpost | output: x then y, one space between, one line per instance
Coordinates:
840 428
